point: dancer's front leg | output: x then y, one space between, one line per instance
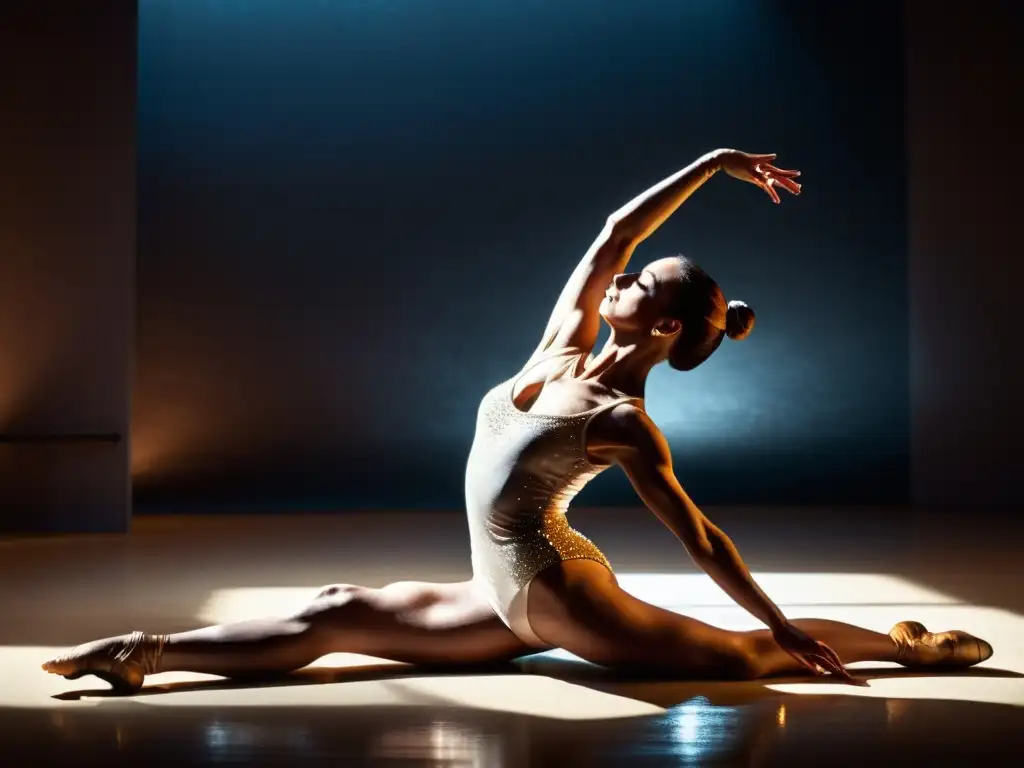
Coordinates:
414 622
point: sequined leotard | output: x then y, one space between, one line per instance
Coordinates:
522 472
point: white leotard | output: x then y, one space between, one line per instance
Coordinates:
523 470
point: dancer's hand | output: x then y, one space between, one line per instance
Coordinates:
817 657
758 170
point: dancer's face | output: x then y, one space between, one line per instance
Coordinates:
639 301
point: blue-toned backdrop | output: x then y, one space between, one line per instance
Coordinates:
354 217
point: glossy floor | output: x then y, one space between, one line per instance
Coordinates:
872 567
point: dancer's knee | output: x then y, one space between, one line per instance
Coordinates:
740 658
335 590
333 604
755 655
354 618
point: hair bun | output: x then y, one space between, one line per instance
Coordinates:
739 321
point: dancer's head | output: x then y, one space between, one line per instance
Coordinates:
674 305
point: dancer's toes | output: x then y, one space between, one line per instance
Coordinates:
985 649
916 646
122 661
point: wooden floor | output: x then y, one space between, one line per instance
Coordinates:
872 567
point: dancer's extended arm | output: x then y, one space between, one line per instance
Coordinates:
644 456
647 462
574 322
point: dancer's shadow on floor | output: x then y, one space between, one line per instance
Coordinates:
654 689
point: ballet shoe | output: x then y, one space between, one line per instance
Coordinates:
917 647
122 662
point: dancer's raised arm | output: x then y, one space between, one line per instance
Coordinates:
574 322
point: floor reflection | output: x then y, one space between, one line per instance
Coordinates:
441 742
786 730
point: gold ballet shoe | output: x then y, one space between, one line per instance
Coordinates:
122 662
917 647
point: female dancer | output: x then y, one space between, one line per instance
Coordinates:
540 436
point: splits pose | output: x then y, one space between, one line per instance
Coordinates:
568 414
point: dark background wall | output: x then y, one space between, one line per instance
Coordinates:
354 217
67 255
966 262
314 276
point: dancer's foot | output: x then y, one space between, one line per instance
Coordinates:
917 647
123 661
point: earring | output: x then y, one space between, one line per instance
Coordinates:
658 332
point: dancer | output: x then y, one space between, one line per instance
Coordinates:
540 436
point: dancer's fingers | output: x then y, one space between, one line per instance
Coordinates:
815 665
826 667
842 674
788 184
834 664
834 657
780 171
810 665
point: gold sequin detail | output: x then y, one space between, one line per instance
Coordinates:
515 560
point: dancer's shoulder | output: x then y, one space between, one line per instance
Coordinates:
624 428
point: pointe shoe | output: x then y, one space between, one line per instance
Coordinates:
917 647
122 662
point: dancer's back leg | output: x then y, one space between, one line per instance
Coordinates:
415 622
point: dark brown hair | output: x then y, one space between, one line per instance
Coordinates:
706 318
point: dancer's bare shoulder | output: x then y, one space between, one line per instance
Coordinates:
624 435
